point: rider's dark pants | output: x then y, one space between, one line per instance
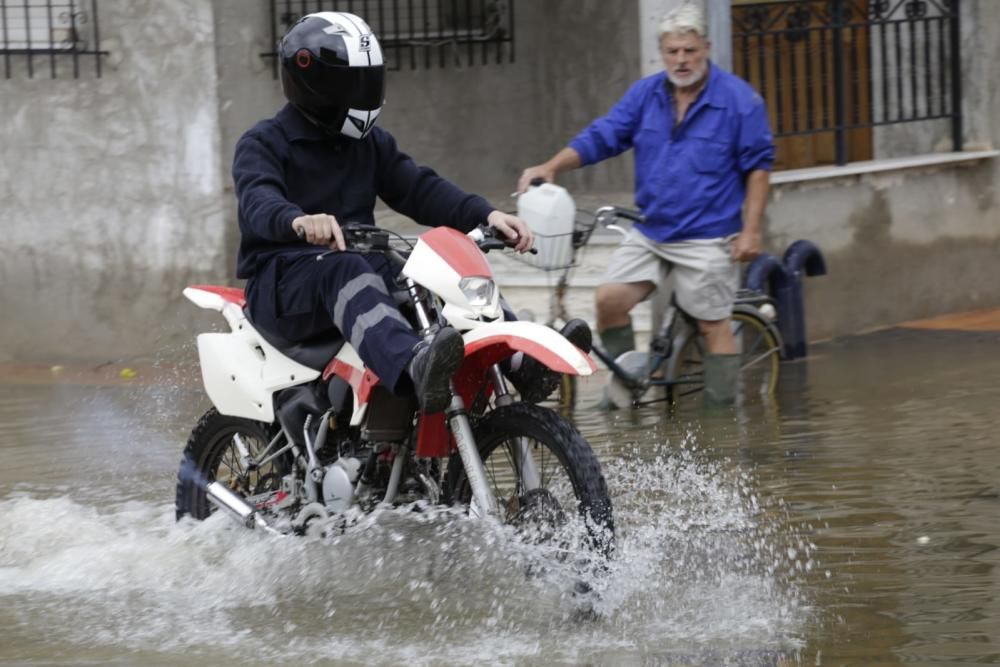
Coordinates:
301 298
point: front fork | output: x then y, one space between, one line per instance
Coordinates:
484 503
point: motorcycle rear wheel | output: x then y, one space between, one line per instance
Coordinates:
569 474
211 455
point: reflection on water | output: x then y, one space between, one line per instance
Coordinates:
854 521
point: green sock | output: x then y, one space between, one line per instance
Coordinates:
618 340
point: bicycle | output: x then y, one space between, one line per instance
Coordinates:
675 354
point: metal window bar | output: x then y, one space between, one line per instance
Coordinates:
49 29
411 31
885 66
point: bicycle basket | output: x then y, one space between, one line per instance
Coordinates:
583 227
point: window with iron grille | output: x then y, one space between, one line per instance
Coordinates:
418 33
50 36
832 71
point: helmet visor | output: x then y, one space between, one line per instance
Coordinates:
360 88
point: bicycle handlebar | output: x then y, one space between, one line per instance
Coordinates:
606 215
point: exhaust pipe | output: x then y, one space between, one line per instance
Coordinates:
244 512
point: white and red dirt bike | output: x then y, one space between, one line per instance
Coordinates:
301 434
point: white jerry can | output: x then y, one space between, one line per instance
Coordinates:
550 213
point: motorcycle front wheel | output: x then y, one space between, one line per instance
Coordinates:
213 454
541 492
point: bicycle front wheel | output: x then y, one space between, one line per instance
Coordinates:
760 352
564 399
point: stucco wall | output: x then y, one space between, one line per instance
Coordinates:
110 195
115 192
898 246
478 125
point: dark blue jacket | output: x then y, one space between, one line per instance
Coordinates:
285 167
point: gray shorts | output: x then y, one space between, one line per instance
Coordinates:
705 276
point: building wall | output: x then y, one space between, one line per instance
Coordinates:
479 125
115 193
110 194
898 246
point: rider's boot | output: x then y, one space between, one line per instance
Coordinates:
721 373
534 380
432 366
618 340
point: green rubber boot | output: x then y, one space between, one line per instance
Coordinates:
618 340
721 373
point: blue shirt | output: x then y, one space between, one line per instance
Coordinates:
690 179
285 167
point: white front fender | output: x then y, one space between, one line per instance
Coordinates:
536 340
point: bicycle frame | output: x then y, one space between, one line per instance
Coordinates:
677 328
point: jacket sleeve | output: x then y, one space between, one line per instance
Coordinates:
755 148
612 133
419 193
259 178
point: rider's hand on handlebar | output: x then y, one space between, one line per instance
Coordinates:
541 171
319 229
515 229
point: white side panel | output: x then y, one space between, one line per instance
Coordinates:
241 372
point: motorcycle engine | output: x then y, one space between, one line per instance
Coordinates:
338 483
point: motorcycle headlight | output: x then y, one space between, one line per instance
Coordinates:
479 291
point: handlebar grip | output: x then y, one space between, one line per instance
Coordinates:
629 214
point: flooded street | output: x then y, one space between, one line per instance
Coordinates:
854 521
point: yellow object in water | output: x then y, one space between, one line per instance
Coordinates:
127 373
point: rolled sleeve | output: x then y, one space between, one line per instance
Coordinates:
756 144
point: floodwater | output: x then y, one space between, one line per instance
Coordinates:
853 521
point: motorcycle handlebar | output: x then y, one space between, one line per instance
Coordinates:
487 239
369 238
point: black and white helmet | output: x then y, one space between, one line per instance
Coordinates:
332 71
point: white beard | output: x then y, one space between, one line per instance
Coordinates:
689 80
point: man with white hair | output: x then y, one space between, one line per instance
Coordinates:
703 154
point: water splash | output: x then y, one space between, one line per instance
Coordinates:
700 572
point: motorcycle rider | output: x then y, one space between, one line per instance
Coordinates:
321 160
